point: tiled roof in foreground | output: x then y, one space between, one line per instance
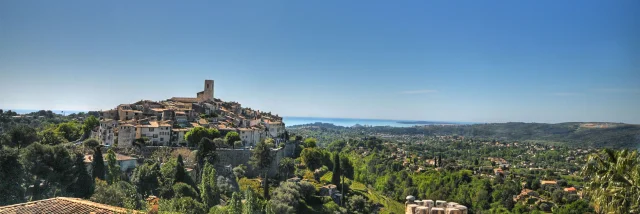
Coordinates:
63 205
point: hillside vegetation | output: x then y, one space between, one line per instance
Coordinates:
609 135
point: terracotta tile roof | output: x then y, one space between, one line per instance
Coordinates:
63 205
152 124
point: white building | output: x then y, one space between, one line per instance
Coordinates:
158 133
276 128
251 136
106 131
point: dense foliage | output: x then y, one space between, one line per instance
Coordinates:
607 135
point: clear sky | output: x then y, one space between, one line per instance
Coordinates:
473 61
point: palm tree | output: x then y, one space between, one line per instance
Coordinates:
614 181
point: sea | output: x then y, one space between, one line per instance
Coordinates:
349 122
292 121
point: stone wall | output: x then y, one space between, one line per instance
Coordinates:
230 158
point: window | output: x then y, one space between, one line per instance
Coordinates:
150 129
161 139
155 136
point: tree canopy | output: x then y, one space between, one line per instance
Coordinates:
231 138
196 134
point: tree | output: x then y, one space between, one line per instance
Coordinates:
173 172
113 169
51 137
251 204
91 143
48 168
504 193
184 190
335 178
576 207
180 171
186 205
614 185
196 134
235 204
312 158
285 198
337 146
167 178
231 138
239 171
89 124
120 194
310 143
21 136
208 189
307 190
536 184
219 143
347 167
82 186
261 159
69 131
287 166
11 177
358 204
557 196
97 165
225 185
145 178
206 153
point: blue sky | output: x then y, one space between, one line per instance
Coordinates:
474 61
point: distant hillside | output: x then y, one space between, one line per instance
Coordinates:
610 135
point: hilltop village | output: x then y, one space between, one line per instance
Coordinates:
165 123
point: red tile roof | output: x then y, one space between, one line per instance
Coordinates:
63 205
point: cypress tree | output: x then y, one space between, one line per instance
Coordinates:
266 188
180 172
97 165
335 179
208 187
113 169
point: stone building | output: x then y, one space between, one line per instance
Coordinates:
126 135
413 206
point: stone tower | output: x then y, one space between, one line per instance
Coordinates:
208 90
